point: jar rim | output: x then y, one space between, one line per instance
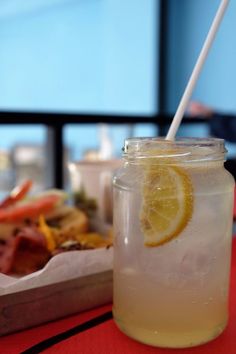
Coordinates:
187 149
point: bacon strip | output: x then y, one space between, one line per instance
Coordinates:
25 253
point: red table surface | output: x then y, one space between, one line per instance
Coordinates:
234 210
107 339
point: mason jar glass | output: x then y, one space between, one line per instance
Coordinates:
173 205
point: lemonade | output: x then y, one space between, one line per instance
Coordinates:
173 228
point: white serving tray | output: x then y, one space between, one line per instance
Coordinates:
32 307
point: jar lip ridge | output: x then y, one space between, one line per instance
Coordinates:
188 149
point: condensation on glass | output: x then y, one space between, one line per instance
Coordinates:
174 294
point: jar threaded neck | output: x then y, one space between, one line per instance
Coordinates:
182 149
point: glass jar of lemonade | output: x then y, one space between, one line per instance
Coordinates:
173 206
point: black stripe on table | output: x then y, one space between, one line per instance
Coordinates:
47 343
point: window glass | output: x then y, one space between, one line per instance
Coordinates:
145 130
82 140
96 56
199 130
189 23
22 156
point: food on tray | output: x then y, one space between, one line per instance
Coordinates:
24 253
85 203
34 228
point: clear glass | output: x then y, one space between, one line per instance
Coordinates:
175 294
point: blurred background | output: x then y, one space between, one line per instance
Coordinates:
77 77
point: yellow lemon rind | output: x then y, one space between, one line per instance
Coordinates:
186 193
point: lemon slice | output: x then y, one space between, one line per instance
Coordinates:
167 203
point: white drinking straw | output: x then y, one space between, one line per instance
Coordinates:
196 71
